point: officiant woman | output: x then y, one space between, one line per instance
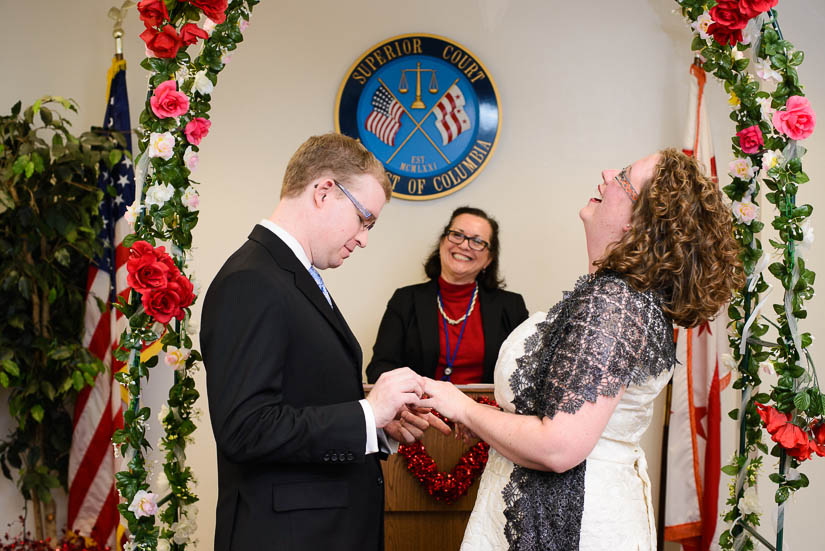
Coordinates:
451 327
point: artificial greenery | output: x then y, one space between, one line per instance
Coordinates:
168 220
49 226
796 392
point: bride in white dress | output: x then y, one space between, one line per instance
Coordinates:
577 385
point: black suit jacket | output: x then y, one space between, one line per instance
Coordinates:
283 374
408 334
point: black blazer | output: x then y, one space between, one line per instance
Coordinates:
283 375
408 334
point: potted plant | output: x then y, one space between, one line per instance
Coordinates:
49 226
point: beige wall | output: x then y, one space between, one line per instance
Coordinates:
584 86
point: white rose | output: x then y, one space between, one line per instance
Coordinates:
176 357
163 545
203 85
749 502
191 159
209 26
702 24
162 145
765 72
728 362
159 194
131 214
765 108
807 238
770 159
191 199
742 168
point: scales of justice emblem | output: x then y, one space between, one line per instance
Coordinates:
427 108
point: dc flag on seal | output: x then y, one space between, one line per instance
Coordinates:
694 447
99 412
385 118
451 120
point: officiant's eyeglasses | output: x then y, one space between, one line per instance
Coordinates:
476 243
367 218
624 181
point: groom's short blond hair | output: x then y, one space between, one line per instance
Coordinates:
335 155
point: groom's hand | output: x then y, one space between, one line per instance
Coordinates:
412 424
392 392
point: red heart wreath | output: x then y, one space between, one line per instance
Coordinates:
447 486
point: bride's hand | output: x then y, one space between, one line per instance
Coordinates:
447 400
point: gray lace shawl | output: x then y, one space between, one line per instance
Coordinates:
602 336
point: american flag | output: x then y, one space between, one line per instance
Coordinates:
93 498
450 117
385 118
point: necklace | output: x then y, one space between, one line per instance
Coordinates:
462 318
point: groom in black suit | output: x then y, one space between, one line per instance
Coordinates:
297 442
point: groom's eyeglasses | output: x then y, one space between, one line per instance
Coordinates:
367 218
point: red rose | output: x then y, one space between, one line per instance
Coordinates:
196 130
148 275
190 33
773 418
750 139
817 443
163 305
214 9
164 43
752 8
138 250
794 440
724 35
152 12
727 14
184 288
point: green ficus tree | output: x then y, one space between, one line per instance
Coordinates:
49 226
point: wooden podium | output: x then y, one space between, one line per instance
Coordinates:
414 520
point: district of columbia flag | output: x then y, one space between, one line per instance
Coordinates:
694 439
385 118
450 117
93 498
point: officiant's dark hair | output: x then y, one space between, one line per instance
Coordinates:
489 277
333 155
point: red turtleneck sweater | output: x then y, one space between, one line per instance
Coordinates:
468 366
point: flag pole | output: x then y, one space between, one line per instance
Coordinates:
118 15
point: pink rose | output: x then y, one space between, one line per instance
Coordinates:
168 102
750 139
196 130
797 121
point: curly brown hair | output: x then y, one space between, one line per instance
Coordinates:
680 242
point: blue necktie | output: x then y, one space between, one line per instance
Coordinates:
317 277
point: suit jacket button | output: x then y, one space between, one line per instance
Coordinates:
326 456
380 480
334 457
350 456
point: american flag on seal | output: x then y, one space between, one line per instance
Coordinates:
385 118
451 120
